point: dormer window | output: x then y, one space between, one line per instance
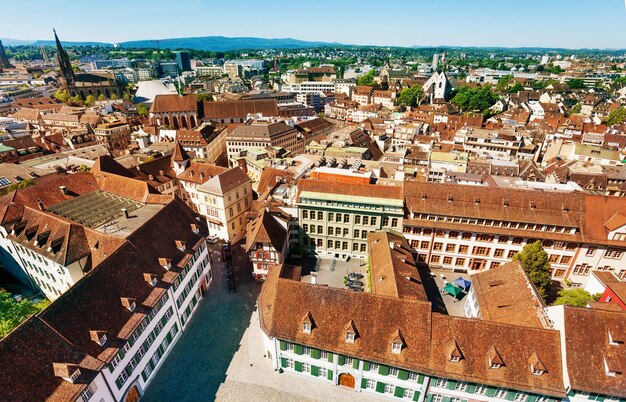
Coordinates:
455 359
495 365
613 341
495 359
350 332
306 327
396 347
538 371
69 372
350 337
151 279
99 337
195 228
129 303
536 365
165 263
181 245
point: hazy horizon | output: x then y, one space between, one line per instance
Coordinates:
571 24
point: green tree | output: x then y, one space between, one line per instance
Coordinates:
576 109
618 116
475 98
84 168
75 101
516 88
101 97
576 83
61 96
114 96
621 80
503 83
204 96
90 100
13 313
573 297
367 79
142 110
536 263
410 96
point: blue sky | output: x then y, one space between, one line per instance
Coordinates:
545 23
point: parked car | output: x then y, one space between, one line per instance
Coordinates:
354 283
355 288
227 253
212 239
354 275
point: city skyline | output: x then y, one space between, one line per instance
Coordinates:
481 23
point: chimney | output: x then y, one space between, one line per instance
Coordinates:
125 211
181 245
314 278
40 204
161 173
150 278
63 189
195 228
150 177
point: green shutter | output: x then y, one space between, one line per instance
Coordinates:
169 337
429 397
118 383
366 366
451 384
330 375
380 387
143 375
283 345
471 388
491 391
315 353
355 364
399 392
363 383
403 375
297 349
298 366
342 360
531 398
510 395
420 379
446 399
330 357
383 370
315 371
416 396
122 354
283 362
110 366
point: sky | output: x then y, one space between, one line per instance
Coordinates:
509 23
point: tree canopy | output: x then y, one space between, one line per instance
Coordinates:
410 96
516 88
576 83
367 79
574 297
475 98
503 82
536 263
13 313
618 116
142 110
204 96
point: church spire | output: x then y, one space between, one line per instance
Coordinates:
64 60
4 60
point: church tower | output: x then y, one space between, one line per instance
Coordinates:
64 62
4 60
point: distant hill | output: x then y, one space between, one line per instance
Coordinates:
223 44
21 42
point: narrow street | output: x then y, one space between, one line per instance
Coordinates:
198 363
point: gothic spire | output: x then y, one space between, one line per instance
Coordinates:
4 60
64 60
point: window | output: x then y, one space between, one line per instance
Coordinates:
356 233
366 220
480 250
437 398
320 229
463 249
408 393
447 260
393 371
306 368
338 218
385 221
511 254
86 394
306 328
394 222
450 248
364 234
320 216
330 230
460 262
499 252
517 240
345 232
612 253
324 355
305 214
413 376
424 245
357 219
290 363
480 389
348 361
590 251
337 244
441 383
435 259
390 388
355 246
350 337
373 220
230 212
370 384
500 393
331 216
437 246
566 259
346 218
319 242
363 247
466 236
